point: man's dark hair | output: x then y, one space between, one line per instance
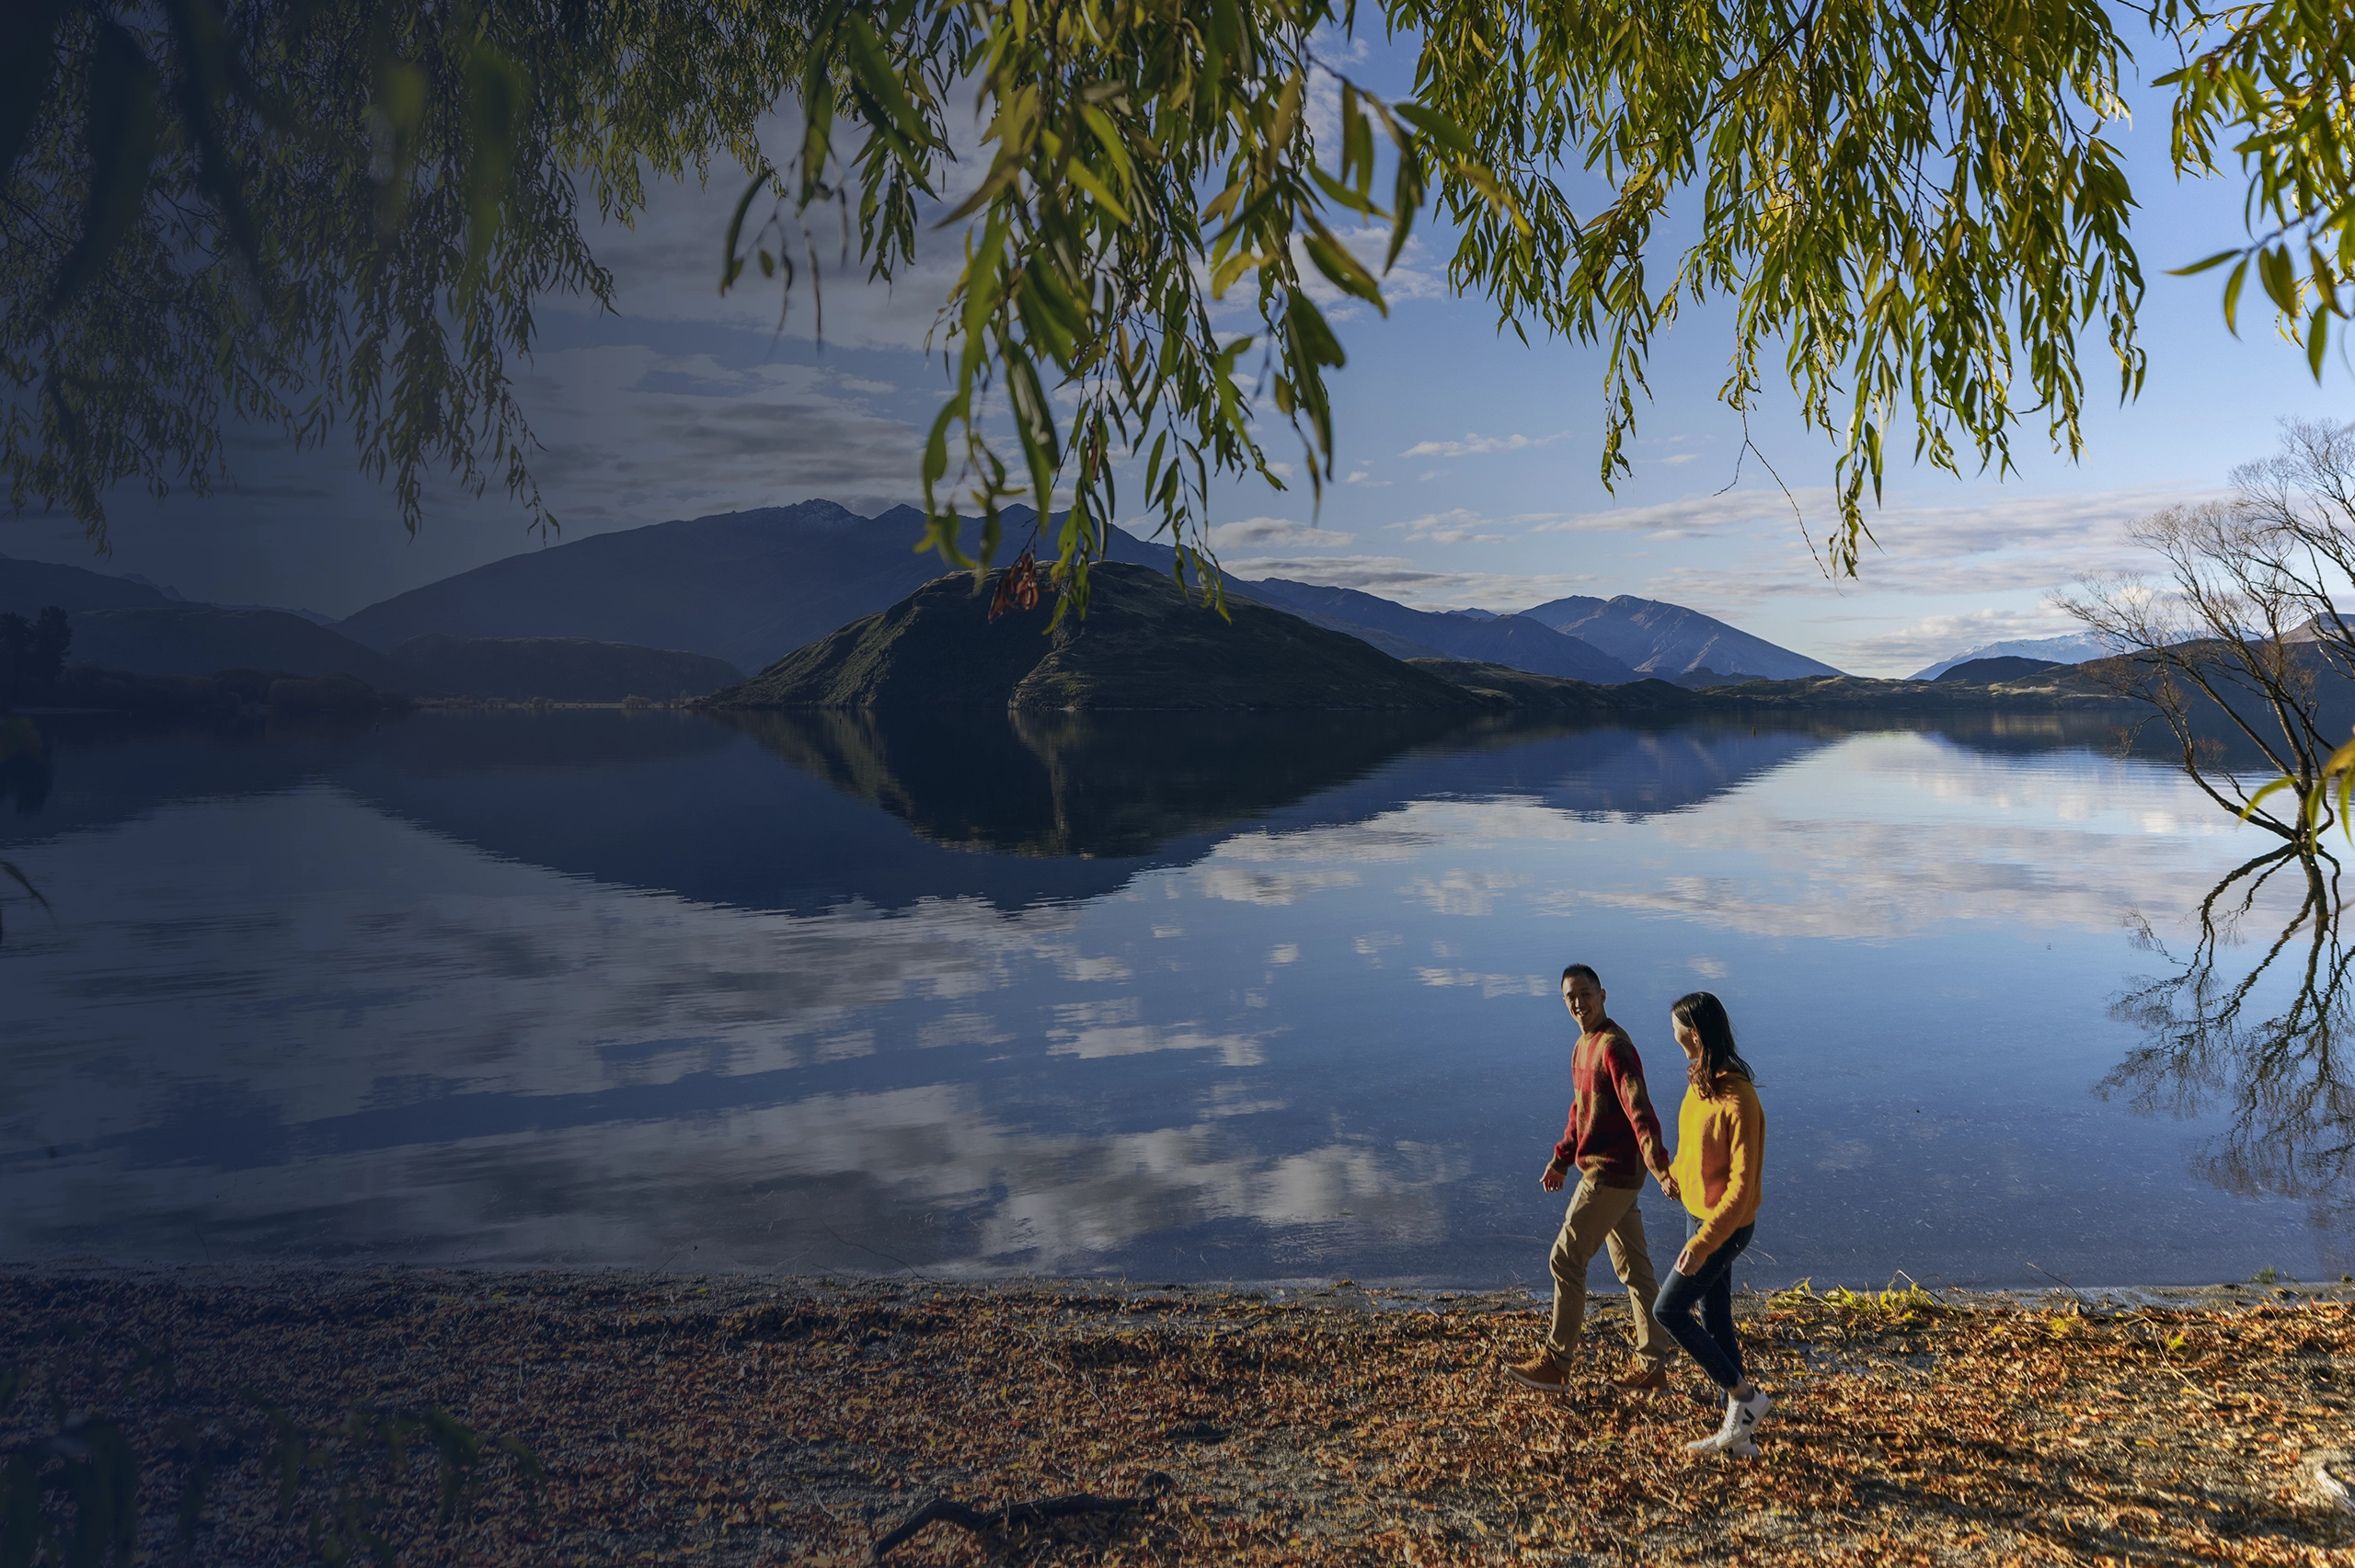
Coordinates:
1584 971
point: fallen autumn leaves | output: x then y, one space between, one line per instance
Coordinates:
747 1421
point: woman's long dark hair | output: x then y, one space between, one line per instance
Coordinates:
1705 1016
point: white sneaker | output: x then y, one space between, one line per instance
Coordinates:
1725 1436
1742 1416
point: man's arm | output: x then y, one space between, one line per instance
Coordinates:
1627 1071
1557 1171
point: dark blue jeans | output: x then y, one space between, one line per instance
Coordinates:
1711 1340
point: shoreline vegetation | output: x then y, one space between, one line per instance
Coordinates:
753 1419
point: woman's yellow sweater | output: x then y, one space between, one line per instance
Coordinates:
1720 1147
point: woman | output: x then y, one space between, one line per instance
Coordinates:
1720 1144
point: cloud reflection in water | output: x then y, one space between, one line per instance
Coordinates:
393 1013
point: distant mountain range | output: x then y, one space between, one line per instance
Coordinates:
752 586
144 629
1669 640
2073 649
748 588
1517 642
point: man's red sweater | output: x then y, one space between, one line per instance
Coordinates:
1613 1135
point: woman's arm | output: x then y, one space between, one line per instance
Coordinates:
1744 1155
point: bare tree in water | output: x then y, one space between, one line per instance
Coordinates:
2242 644
2264 1040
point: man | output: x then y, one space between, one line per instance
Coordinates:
1613 1138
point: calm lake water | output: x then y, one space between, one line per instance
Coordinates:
1247 998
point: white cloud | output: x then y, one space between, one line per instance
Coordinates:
1934 637
1480 446
1691 515
633 435
1455 526
1280 532
2004 543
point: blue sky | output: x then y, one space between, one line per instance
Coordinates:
1466 462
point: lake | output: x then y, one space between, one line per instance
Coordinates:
1252 998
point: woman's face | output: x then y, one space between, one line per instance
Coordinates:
1686 1037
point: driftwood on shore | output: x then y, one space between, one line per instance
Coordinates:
1013 1515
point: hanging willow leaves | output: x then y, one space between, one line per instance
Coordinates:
2275 85
331 215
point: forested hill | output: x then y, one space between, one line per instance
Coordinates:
1146 644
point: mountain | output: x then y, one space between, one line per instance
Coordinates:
750 587
1146 644
1668 640
565 669
26 586
1517 642
743 586
166 638
2075 648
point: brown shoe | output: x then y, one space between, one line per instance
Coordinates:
1541 1372
1641 1379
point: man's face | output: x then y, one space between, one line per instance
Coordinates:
1584 998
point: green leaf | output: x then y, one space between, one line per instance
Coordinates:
1343 270
731 265
873 68
1001 176
1439 128
2201 266
2285 782
1079 175
2281 282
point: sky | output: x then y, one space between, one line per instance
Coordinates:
1466 463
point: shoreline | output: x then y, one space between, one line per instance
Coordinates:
744 1419
1338 1293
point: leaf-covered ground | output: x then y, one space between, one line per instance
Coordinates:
756 1421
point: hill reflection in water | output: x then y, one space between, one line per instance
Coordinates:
1216 996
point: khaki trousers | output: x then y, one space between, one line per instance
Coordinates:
1600 1216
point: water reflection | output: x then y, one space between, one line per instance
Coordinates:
2253 1019
1184 998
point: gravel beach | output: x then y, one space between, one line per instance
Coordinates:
752 1420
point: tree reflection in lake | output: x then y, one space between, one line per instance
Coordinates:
2263 1040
